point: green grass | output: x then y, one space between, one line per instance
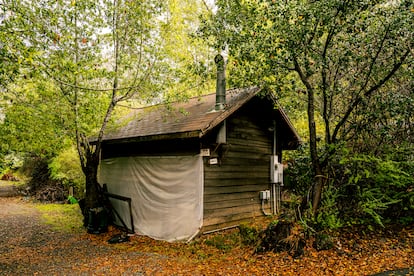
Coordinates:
62 217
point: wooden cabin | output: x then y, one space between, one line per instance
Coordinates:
197 166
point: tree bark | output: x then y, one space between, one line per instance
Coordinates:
316 166
92 197
89 162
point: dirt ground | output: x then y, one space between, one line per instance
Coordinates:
30 247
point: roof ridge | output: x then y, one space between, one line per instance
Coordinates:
230 90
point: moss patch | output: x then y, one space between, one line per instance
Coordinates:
62 217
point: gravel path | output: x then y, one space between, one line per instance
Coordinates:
29 247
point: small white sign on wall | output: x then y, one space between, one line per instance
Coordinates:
205 152
213 161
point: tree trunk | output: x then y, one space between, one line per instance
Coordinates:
313 147
93 195
316 166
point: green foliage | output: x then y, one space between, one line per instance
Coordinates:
87 58
223 241
361 188
328 216
37 120
11 161
66 169
298 176
339 57
191 73
72 200
273 223
323 241
14 50
377 188
388 132
325 38
249 235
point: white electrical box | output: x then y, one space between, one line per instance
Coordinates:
264 195
276 170
279 174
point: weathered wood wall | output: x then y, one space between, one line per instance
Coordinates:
231 188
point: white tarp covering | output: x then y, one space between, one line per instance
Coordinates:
166 193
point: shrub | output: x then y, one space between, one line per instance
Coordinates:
66 169
328 216
375 188
10 162
283 236
249 235
41 186
298 175
323 241
361 188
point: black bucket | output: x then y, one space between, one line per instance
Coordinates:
97 220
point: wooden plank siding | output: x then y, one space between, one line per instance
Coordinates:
231 188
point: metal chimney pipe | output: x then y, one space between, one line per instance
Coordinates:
221 83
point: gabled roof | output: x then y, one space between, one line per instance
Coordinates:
193 118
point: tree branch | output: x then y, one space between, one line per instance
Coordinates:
325 85
91 88
374 59
368 93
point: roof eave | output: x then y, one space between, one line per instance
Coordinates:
298 140
155 137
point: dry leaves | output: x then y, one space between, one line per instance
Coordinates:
354 254
30 247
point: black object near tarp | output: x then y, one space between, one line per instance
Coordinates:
119 238
97 220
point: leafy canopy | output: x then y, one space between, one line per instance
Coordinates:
345 51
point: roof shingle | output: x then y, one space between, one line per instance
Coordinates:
193 118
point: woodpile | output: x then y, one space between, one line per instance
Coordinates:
42 187
51 193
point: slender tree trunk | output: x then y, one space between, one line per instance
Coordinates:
316 166
317 170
